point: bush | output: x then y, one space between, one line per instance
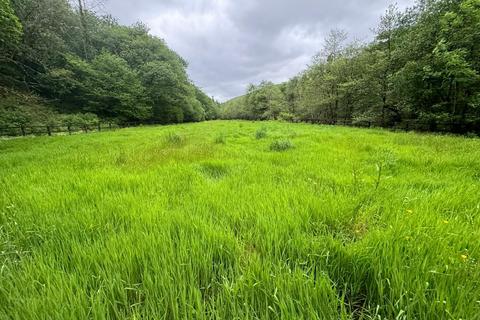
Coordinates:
281 145
261 133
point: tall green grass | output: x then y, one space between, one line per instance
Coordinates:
168 223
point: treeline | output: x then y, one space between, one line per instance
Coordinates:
59 63
421 72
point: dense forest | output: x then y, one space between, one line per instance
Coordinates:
421 72
65 64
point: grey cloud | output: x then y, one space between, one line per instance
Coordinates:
229 43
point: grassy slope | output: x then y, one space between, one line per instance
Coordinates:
143 222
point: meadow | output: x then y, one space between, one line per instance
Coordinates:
240 220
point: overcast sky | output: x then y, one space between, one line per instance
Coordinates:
231 43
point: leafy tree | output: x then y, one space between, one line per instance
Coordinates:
266 101
106 86
171 94
209 105
117 89
10 28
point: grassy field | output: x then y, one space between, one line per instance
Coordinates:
240 220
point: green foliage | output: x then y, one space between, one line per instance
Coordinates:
10 28
265 101
281 145
234 109
172 95
209 105
287 116
22 110
117 89
85 120
10 37
22 114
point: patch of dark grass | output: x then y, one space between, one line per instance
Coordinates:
121 159
175 139
261 133
213 170
281 145
220 139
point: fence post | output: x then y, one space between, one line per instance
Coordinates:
69 130
23 130
49 130
99 126
110 125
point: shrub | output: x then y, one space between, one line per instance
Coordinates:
261 133
281 145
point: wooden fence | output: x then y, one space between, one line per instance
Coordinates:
50 130
12 131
